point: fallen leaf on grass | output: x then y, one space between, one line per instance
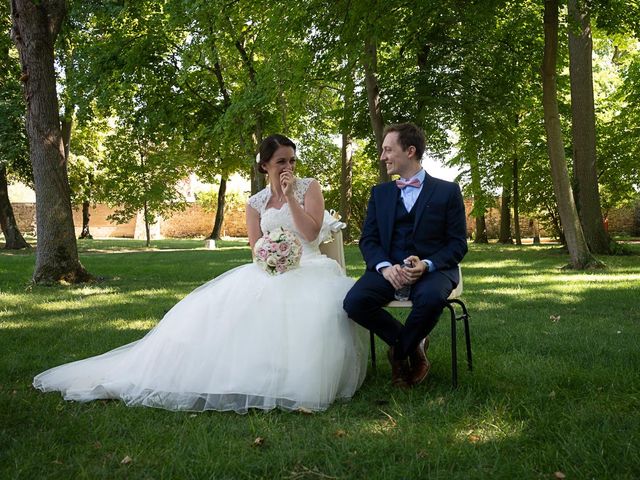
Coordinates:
340 433
258 442
473 438
126 460
559 475
422 453
552 394
97 445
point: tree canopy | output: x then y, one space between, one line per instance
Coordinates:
197 84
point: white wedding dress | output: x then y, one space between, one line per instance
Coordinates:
246 339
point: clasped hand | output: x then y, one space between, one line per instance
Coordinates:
399 276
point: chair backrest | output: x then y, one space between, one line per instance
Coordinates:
457 292
334 248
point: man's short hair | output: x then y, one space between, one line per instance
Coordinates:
408 135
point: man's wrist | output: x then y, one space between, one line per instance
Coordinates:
381 266
430 266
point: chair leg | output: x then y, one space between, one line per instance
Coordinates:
467 337
372 340
464 316
454 347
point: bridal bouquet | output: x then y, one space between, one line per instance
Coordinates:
278 251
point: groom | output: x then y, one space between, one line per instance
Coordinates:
417 220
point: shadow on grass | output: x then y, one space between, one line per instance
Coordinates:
554 388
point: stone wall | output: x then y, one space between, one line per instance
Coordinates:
621 221
625 220
25 214
195 222
100 226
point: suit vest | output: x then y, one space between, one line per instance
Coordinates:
402 238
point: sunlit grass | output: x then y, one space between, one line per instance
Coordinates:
555 386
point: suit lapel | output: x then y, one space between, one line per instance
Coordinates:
422 201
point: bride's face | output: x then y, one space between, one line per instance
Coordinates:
283 160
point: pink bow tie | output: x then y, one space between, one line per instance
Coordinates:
414 182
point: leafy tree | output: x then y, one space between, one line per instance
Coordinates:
618 119
85 177
139 172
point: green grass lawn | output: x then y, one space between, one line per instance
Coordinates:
555 388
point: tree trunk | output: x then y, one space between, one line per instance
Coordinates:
258 180
584 129
217 224
479 206
370 63
346 155
147 228
556 224
579 253
86 215
35 28
421 87
481 230
13 238
226 101
505 207
66 126
346 186
516 202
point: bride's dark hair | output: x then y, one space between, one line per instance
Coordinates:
268 147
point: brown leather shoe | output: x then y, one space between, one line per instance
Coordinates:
399 371
420 364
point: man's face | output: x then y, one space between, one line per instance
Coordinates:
396 160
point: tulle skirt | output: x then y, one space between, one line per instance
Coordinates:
243 340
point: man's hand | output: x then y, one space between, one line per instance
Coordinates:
415 271
396 276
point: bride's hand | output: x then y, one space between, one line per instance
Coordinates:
286 181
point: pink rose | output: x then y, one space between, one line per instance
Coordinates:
284 248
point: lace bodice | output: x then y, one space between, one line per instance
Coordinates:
271 218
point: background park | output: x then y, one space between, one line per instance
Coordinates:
536 104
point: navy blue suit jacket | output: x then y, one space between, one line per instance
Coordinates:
439 233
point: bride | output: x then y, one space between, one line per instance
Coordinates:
246 339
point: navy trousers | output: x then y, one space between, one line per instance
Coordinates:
372 291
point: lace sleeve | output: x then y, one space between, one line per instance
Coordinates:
302 185
259 200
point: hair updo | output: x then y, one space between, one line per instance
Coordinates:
269 146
